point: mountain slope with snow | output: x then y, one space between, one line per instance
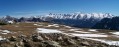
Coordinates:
85 20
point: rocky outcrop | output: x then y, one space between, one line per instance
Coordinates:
50 40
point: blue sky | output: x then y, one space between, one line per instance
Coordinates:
20 8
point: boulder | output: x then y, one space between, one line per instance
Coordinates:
69 41
13 38
60 38
16 45
37 38
51 44
47 38
76 38
22 36
85 43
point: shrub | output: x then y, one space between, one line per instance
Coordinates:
2 23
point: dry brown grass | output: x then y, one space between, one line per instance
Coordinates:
23 28
30 28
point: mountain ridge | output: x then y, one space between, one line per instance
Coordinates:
81 20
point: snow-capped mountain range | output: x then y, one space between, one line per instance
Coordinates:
84 20
77 16
80 16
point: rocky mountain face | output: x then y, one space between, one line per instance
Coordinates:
108 23
49 40
31 19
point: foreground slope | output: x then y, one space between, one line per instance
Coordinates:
48 34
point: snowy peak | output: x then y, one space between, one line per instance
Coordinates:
8 18
80 15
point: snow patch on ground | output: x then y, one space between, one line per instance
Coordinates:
10 22
93 30
73 29
82 32
53 25
2 38
37 25
106 41
5 32
88 35
67 26
56 26
43 30
116 33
